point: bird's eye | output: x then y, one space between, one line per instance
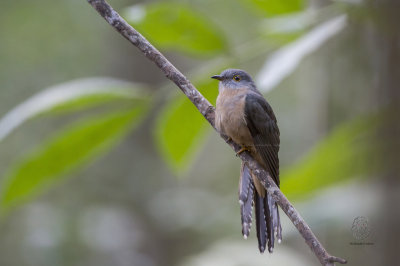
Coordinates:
236 78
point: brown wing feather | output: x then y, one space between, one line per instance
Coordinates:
264 130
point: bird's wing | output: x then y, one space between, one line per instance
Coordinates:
264 130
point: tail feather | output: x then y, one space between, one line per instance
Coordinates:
244 183
261 222
268 224
277 222
247 213
246 192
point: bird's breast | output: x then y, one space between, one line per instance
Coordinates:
229 116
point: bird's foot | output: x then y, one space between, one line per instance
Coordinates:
244 148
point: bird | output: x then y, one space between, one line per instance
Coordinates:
244 116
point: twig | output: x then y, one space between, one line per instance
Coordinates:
207 110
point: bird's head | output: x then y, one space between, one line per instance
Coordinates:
234 79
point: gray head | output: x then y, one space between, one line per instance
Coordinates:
235 79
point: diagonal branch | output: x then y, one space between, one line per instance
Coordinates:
207 110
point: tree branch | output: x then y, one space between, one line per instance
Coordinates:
207 110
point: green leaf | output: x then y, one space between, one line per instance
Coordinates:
67 150
349 151
180 128
176 27
68 97
276 7
87 102
281 39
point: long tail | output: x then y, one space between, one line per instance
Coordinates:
268 224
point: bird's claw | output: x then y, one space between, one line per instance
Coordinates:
242 150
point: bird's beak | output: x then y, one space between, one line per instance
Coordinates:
217 77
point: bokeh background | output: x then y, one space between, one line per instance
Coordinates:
104 162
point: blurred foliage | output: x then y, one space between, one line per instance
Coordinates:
349 151
276 7
180 128
76 144
177 27
89 101
67 150
33 44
